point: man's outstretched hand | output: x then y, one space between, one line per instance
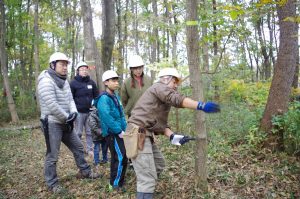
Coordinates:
180 139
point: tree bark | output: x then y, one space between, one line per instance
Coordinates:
296 76
36 49
197 90
135 26
3 57
266 64
120 43
205 55
108 32
90 46
154 42
284 71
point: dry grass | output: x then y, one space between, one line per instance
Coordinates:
242 173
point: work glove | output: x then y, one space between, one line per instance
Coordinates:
208 107
71 118
121 134
70 121
180 139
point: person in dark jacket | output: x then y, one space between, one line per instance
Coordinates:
84 90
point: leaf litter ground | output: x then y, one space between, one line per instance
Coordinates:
239 173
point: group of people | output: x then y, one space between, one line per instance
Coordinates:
147 106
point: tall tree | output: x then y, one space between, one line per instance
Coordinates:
3 57
284 71
205 55
135 26
120 43
108 32
266 63
92 54
36 48
197 90
154 40
296 76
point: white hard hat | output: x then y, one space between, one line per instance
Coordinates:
135 61
58 56
109 74
82 63
169 72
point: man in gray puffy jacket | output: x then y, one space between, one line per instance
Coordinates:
58 112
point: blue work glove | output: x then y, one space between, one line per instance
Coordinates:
180 139
208 107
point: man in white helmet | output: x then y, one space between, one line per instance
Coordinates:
150 116
58 112
113 125
84 90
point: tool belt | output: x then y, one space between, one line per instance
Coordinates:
134 139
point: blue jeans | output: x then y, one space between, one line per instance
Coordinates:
104 148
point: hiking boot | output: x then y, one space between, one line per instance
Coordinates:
90 175
116 188
57 189
103 161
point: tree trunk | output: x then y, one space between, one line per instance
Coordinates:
91 52
75 24
250 59
284 72
155 40
108 32
36 49
3 57
271 35
125 35
205 55
120 43
266 64
197 90
135 26
174 54
296 76
215 43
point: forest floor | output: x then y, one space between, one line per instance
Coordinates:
240 172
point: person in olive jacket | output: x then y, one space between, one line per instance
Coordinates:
84 90
135 85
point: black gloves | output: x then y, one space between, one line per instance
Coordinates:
71 118
70 121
